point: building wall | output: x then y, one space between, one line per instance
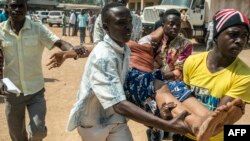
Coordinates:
43 2
140 4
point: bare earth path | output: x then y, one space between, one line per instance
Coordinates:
61 86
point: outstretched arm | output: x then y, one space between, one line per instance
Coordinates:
133 112
63 45
58 58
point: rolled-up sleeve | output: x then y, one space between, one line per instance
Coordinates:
106 82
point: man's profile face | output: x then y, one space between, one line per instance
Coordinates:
17 9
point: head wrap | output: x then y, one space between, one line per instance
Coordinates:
227 18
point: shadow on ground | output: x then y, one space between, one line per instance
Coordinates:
50 80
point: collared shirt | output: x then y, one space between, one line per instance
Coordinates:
23 54
101 86
99 32
82 20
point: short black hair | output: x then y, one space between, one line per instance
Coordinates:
105 11
171 12
161 13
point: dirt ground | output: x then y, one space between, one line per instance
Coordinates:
61 85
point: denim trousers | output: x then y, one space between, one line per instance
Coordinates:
15 115
82 31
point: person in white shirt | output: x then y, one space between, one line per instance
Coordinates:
22 43
91 24
72 22
210 36
101 108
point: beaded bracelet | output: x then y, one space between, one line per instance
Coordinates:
80 51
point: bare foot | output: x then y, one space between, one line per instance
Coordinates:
235 112
207 128
237 103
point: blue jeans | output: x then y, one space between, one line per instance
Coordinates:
82 31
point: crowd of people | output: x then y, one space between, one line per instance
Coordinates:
154 80
81 22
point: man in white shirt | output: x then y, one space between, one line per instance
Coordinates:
22 42
101 108
72 22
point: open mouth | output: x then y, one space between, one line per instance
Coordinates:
173 32
128 35
236 50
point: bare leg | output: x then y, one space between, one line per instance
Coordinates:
201 121
208 127
235 112
164 96
223 115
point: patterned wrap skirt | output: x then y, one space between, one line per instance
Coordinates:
139 89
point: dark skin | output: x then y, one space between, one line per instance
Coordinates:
171 28
17 11
119 28
58 58
124 2
227 47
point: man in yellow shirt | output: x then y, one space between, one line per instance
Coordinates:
219 76
22 43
